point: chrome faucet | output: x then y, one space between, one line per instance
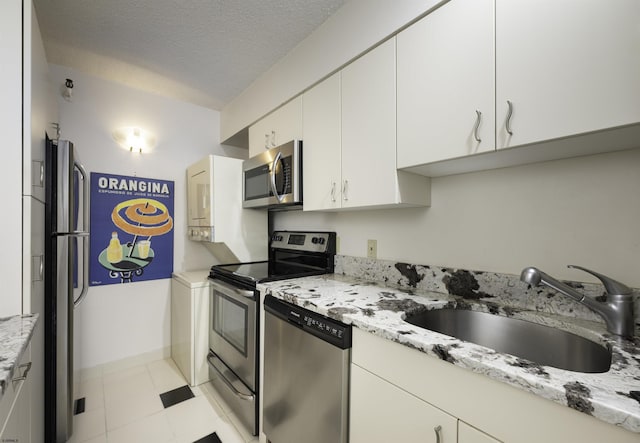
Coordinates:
617 311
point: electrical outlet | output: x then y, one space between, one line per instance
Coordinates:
372 248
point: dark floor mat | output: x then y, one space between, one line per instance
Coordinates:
78 407
211 438
176 396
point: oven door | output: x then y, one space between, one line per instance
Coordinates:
232 329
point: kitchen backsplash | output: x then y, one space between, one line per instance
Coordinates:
488 287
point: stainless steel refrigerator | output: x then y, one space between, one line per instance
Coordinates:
66 279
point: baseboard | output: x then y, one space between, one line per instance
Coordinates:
124 363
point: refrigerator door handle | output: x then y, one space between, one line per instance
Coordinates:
85 241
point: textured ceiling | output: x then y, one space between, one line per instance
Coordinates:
201 51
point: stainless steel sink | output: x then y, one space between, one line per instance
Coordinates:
540 344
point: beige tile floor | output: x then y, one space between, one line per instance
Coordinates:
124 406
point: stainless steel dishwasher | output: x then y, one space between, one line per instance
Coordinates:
306 375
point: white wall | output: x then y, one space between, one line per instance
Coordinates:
123 320
583 211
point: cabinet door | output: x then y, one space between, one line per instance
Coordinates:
286 123
17 427
468 434
11 178
445 78
33 301
567 67
258 138
369 128
282 125
382 412
321 174
199 192
41 108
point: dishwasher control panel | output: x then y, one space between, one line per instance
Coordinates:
325 328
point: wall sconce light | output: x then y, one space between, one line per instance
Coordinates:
134 139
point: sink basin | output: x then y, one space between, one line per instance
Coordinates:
540 344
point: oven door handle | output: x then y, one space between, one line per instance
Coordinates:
231 290
237 393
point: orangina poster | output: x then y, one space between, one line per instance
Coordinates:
131 229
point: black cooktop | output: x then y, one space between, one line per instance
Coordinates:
263 271
291 255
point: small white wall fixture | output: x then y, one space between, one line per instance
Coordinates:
134 139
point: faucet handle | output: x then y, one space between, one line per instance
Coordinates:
612 286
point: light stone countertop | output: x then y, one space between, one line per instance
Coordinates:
613 397
15 334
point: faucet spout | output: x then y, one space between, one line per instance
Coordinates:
617 311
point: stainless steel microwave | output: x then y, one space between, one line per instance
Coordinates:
273 179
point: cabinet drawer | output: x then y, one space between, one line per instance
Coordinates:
13 390
381 412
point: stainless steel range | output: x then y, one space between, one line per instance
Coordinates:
234 317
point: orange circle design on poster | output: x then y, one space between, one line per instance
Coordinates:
143 211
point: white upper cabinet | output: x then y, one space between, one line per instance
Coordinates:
349 139
322 161
281 126
446 88
369 128
567 67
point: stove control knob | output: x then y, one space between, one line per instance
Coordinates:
321 240
314 240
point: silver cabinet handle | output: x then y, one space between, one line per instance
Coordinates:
333 192
237 393
273 138
37 173
509 114
438 431
25 373
266 141
37 262
345 186
475 130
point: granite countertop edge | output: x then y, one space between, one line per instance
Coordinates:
613 396
15 334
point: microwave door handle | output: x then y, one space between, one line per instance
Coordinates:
273 177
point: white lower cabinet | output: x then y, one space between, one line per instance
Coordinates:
382 412
190 324
15 407
469 434
400 394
